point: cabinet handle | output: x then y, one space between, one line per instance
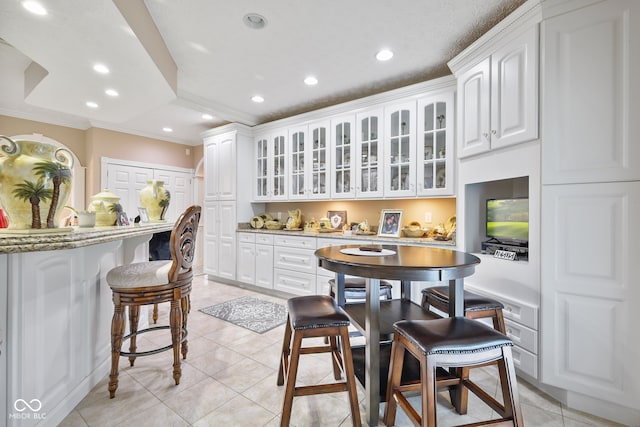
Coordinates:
509 309
486 135
493 132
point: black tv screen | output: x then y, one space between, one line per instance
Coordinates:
508 219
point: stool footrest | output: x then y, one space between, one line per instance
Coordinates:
308 390
314 350
154 351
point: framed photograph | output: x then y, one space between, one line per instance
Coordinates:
390 220
144 215
337 219
122 219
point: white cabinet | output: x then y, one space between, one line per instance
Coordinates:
264 261
498 96
224 207
400 149
270 180
591 107
294 264
590 290
319 174
298 154
435 149
369 154
343 155
220 155
246 271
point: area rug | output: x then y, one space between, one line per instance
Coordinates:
250 313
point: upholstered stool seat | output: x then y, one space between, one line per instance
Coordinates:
450 342
316 316
475 306
355 288
153 282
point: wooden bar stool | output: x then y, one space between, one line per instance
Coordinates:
316 316
450 342
355 288
475 306
153 282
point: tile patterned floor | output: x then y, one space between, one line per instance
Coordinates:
229 379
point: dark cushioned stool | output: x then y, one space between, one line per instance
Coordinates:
475 306
355 288
316 316
451 342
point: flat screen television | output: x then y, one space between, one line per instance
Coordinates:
508 220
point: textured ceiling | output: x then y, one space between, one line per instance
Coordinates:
173 60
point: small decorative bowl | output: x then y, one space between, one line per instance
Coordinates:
413 232
273 225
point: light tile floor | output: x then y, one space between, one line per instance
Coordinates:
229 379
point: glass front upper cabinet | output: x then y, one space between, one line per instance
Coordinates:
369 154
297 143
400 143
262 169
343 151
435 146
319 133
279 167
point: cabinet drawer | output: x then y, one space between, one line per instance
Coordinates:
522 336
295 241
264 239
294 282
246 237
520 312
525 361
302 260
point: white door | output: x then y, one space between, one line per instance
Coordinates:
474 103
343 155
179 185
211 237
126 182
369 154
227 240
264 266
400 150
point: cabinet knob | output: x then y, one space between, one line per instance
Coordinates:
486 135
493 132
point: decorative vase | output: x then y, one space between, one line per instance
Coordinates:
155 199
35 183
106 206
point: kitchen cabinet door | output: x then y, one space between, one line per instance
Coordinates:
343 157
369 154
400 150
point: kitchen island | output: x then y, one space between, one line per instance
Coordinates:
55 322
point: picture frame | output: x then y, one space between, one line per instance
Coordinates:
144 215
337 219
390 222
122 219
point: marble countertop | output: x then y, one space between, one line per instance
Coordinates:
75 237
427 241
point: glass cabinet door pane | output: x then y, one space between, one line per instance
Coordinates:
428 117
441 119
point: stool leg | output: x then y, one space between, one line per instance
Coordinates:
186 303
291 379
498 322
284 356
429 391
350 377
155 313
336 358
175 324
509 386
134 316
461 391
395 374
117 330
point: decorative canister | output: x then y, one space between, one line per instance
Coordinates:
106 205
155 199
35 183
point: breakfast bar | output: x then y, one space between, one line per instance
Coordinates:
56 315
375 318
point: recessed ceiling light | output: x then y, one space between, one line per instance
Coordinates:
254 20
206 116
112 92
101 68
257 98
167 129
310 81
384 55
34 7
91 104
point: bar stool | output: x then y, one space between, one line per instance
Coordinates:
450 342
153 282
355 288
475 306
316 316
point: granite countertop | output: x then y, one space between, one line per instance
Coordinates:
339 235
75 238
